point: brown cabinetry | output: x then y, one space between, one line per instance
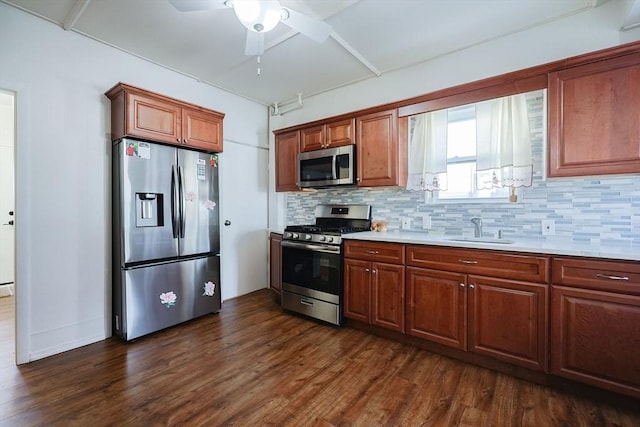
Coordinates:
287 147
380 162
595 323
142 114
373 289
329 135
477 300
275 262
594 118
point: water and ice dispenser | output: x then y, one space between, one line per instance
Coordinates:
149 210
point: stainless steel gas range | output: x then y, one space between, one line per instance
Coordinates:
312 261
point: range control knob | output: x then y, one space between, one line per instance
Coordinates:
307 236
322 238
329 239
295 235
287 235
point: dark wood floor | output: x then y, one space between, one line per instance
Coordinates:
254 365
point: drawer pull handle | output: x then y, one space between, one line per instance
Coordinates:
373 252
306 302
467 261
606 276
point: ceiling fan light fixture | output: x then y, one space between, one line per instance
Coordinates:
259 16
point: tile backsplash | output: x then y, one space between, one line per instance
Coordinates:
604 210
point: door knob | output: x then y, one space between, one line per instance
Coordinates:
227 223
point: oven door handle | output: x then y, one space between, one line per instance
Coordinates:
314 248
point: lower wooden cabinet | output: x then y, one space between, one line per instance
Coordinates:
508 320
374 293
437 306
500 318
275 262
595 338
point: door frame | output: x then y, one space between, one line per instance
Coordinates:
22 324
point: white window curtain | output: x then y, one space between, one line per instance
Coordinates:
503 150
427 169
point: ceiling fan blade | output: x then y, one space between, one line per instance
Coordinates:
315 29
191 5
255 43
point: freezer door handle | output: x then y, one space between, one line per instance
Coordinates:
181 193
174 203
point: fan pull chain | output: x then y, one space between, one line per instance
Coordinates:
258 64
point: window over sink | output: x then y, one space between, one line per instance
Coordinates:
477 152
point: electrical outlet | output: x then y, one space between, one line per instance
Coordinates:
548 227
426 222
406 223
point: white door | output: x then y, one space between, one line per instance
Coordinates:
7 217
243 217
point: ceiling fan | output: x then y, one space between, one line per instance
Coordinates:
259 17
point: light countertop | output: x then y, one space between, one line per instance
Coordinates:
612 251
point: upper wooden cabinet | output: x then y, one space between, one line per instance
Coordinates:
594 118
380 160
142 114
287 147
333 134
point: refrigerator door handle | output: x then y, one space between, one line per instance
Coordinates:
174 203
181 193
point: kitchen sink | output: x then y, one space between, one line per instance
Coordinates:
481 240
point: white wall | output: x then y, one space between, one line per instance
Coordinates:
63 220
589 31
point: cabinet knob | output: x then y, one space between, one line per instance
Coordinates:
358 179
185 140
462 285
472 286
367 270
374 271
178 139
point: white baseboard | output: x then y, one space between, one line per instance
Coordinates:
6 290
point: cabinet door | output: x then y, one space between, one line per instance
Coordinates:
341 133
202 130
275 262
595 338
594 118
153 119
508 320
377 147
312 138
437 302
357 290
387 298
287 147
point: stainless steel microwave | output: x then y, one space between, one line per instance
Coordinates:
327 167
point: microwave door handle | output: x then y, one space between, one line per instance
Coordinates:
334 167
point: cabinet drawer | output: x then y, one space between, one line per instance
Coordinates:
487 263
374 251
617 276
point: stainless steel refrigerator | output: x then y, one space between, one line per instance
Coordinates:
166 236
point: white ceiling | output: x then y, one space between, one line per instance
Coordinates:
369 37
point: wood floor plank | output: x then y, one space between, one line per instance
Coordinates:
255 365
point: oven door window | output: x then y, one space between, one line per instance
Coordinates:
311 269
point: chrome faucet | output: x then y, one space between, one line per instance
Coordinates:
477 223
